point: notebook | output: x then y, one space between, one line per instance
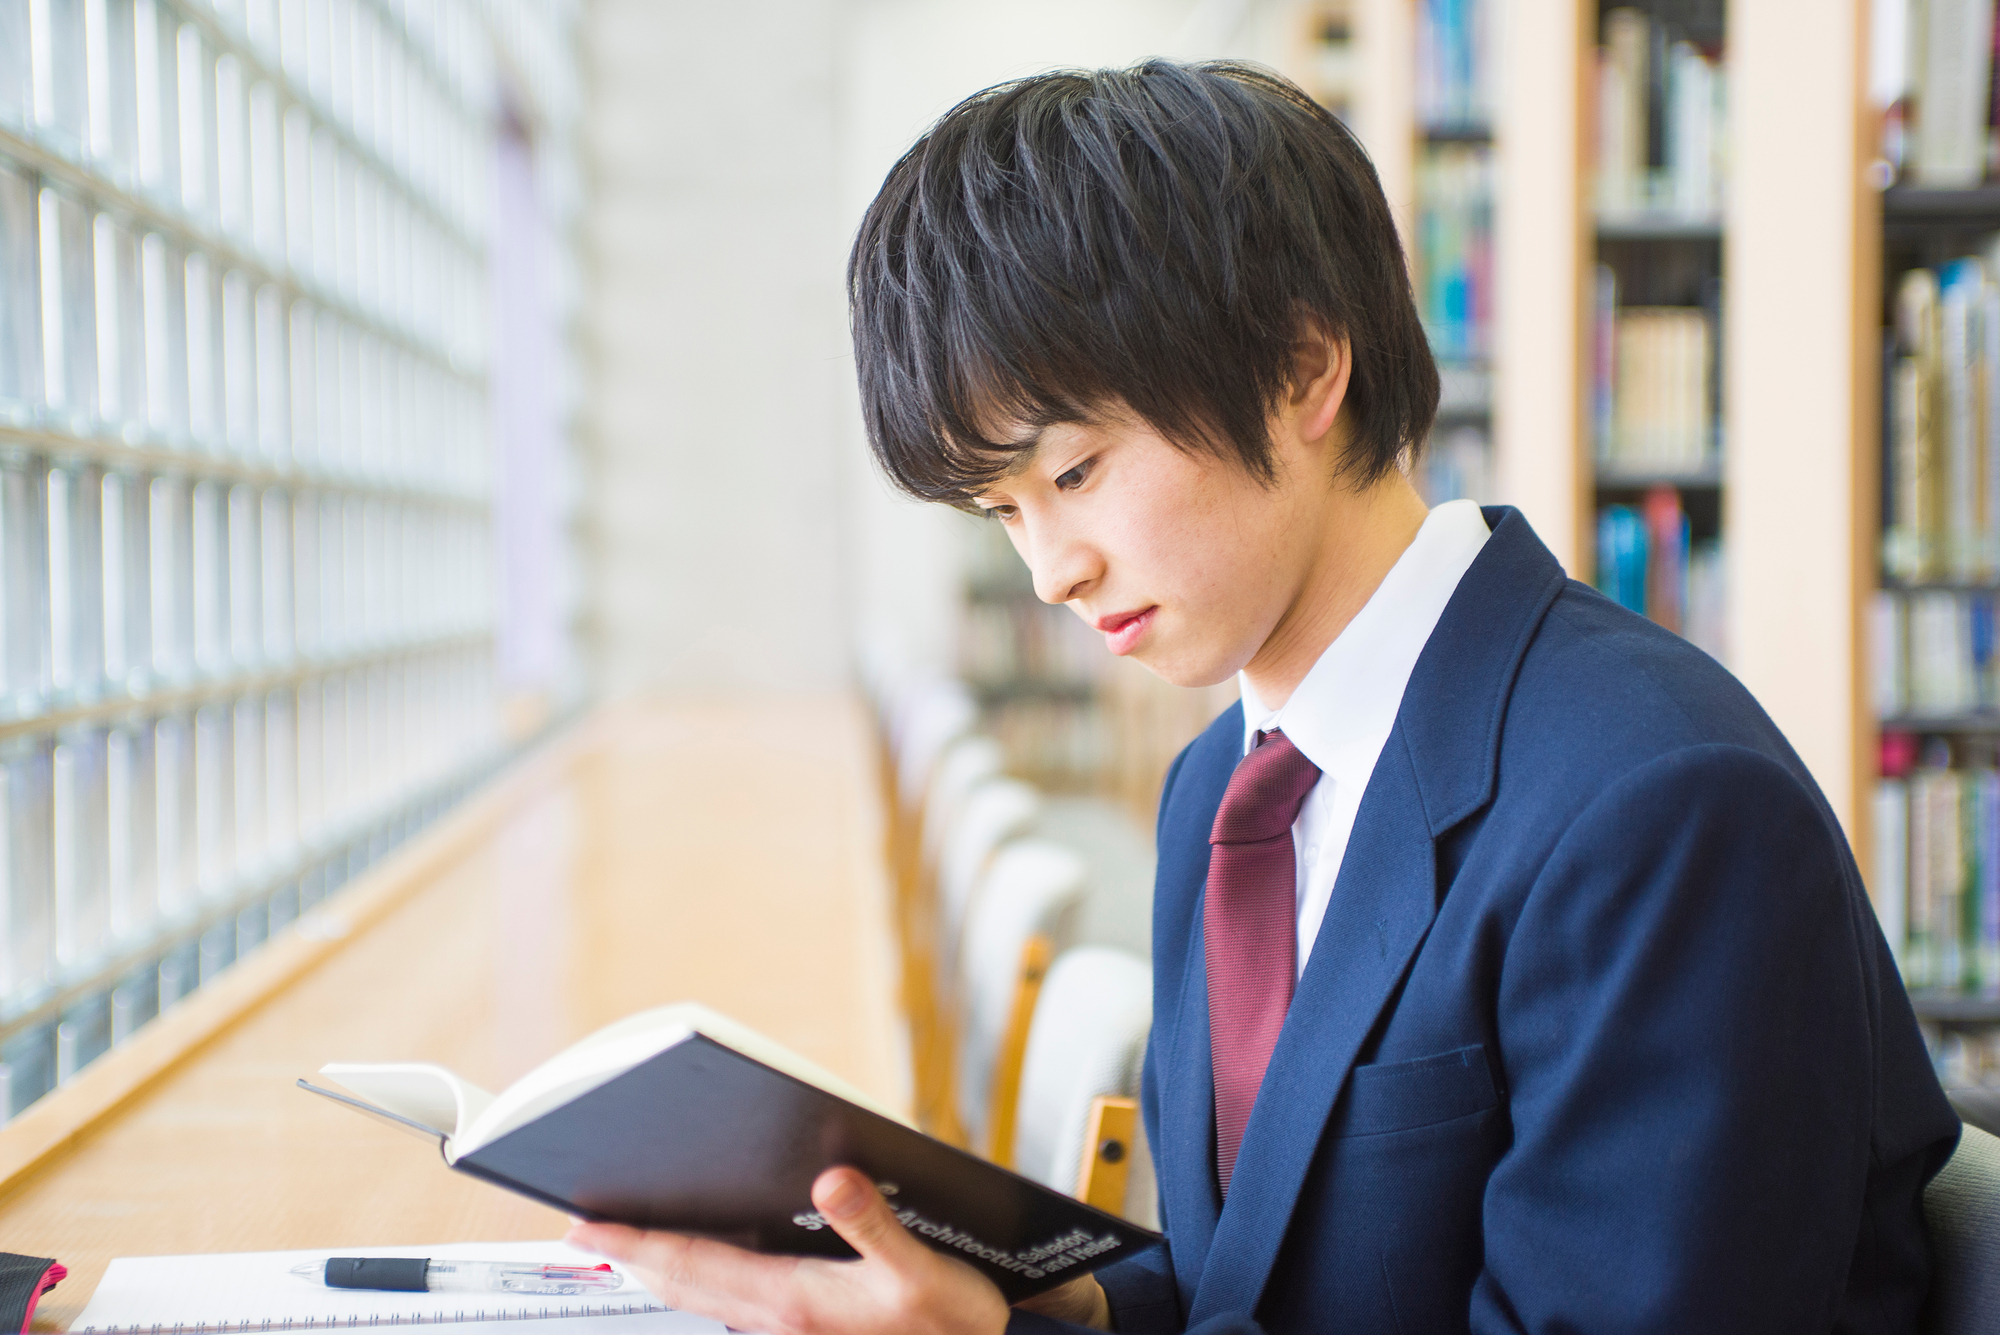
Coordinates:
246 1291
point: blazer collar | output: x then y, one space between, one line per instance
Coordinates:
1457 696
1437 768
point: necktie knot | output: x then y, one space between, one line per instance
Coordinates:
1265 793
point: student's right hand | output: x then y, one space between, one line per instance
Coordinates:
1080 1301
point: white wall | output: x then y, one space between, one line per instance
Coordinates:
714 339
738 535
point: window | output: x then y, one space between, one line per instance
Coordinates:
247 618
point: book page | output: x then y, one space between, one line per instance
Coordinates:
249 1290
419 1091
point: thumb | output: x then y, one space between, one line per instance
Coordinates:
860 1215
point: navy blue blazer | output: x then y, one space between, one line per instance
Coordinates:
1599 1032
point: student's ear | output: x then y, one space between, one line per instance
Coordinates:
1321 367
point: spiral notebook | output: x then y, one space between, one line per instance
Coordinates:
232 1293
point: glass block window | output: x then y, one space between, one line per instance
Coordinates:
247 546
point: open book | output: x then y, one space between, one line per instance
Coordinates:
682 1118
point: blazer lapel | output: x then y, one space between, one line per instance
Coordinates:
1187 1103
1185 1157
1382 906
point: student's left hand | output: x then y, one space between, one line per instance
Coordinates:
898 1285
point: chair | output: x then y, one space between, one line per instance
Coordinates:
994 812
968 762
932 921
933 715
1076 1113
1962 1207
1025 913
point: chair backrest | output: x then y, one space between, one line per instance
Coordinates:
1030 894
1088 1040
1962 1207
936 713
967 762
994 812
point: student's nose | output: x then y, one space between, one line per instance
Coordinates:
1064 566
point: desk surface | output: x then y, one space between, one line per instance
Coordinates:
658 852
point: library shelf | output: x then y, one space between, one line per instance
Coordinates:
1613 477
1465 388
1001 594
1468 132
1905 205
1658 227
1001 690
1942 723
1977 1104
1893 585
1955 1007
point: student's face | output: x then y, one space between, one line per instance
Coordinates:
1180 559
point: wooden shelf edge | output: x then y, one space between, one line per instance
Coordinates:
1955 1007
65 1116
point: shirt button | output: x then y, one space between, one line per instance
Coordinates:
1312 852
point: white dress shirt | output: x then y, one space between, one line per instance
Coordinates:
1341 714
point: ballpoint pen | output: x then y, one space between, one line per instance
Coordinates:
416 1274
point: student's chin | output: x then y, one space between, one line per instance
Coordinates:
1180 671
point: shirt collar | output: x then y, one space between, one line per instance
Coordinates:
1342 712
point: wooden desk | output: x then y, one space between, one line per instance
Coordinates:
657 852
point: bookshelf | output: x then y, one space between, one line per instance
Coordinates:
1789 244
1656 80
1935 334
1451 236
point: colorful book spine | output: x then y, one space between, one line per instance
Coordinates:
1647 561
1935 880
1453 58
1455 249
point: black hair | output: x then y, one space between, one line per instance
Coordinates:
1156 236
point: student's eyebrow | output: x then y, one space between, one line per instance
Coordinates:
1024 449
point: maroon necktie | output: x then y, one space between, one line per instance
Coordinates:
1250 922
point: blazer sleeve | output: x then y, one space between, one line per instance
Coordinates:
1687 1016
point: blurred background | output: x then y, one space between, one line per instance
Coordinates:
384 381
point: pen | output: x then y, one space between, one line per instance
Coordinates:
415 1274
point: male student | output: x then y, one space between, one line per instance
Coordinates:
1511 973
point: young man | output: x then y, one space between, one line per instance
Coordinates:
1511 974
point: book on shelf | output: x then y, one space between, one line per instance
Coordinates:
1646 561
1661 115
1936 882
680 1118
1934 67
1932 652
1457 464
1942 456
1454 58
1455 248
1654 382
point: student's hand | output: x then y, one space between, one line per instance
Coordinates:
1080 1301
899 1285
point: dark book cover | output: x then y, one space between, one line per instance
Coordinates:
701 1139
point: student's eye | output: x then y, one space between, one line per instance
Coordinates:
1003 513
1073 479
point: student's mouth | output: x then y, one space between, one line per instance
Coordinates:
1123 629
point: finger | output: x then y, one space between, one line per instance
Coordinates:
695 1274
860 1215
